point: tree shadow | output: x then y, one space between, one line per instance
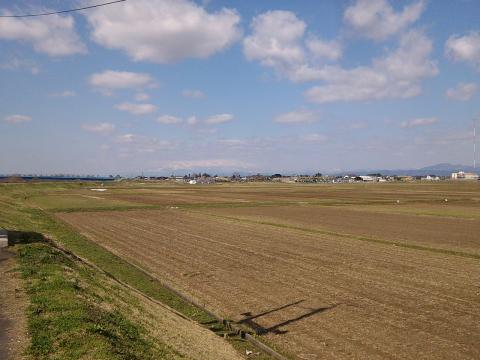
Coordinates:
275 329
24 237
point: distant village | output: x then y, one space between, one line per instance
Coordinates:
204 178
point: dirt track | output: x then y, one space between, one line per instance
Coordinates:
322 296
13 306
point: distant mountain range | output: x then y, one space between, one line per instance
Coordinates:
444 169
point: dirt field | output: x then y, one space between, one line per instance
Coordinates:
312 295
465 194
442 232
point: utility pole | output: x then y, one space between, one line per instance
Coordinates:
474 144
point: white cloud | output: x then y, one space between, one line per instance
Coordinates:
110 80
53 35
445 138
169 120
357 125
100 128
376 19
275 41
418 122
324 49
136 109
141 144
16 63
298 116
125 138
396 75
232 142
63 94
205 164
314 138
192 121
17 119
463 91
464 48
219 119
194 94
164 31
142 96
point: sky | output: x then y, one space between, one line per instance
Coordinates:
162 87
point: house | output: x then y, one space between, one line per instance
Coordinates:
461 175
366 178
431 178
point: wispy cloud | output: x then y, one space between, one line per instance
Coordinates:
100 128
463 91
418 122
193 94
63 94
141 96
136 109
169 120
133 143
110 80
17 119
16 63
205 164
219 119
298 117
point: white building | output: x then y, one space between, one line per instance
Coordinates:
367 178
431 178
461 175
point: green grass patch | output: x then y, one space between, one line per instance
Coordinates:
66 319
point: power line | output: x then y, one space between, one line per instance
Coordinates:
61 11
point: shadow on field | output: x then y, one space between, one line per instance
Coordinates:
275 329
24 237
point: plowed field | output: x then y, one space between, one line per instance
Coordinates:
438 232
314 295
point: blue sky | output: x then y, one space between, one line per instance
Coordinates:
253 86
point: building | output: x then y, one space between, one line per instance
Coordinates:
430 178
366 178
461 175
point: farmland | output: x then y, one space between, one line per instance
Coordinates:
319 271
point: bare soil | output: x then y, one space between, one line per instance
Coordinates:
13 304
449 233
314 296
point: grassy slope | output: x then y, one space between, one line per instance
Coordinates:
69 320
15 214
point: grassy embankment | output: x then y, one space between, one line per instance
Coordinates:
67 318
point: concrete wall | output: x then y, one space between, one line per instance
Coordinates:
3 238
